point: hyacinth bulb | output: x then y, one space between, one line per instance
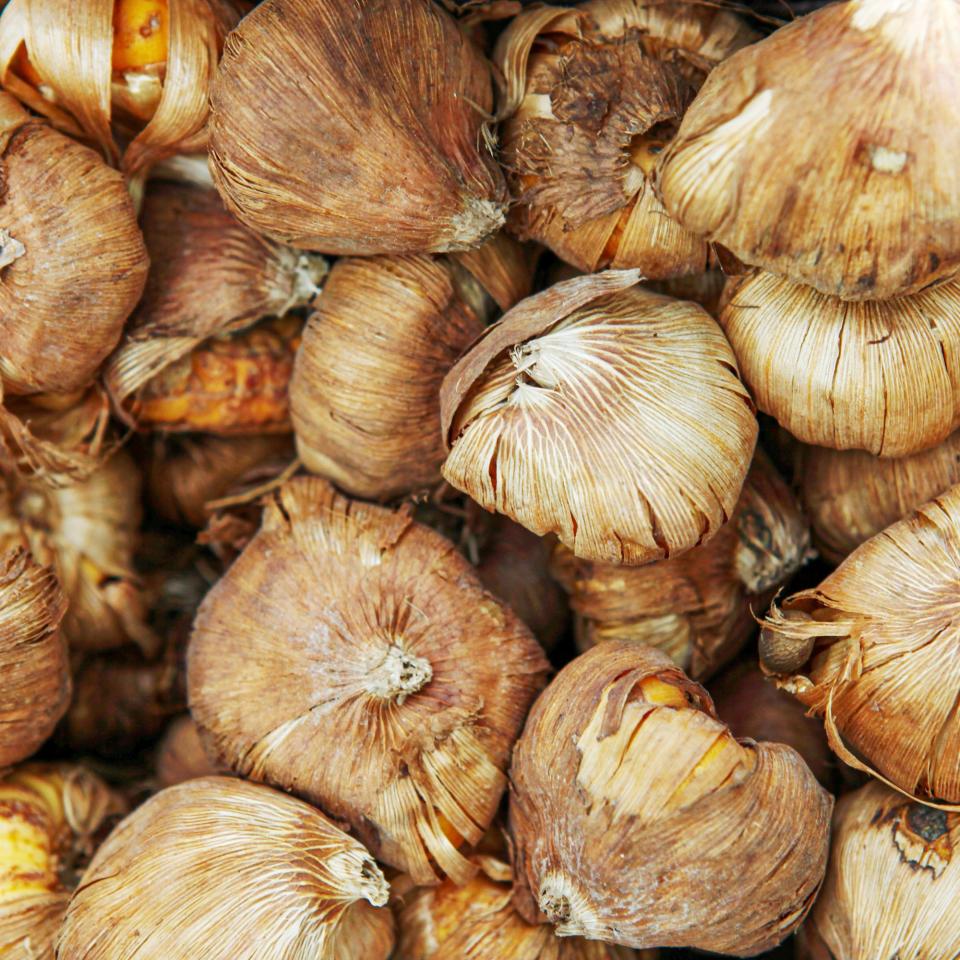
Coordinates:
51 818
881 376
220 868
875 651
389 689
851 495
824 152
593 95
629 799
568 415
33 656
699 607
402 166
893 882
136 72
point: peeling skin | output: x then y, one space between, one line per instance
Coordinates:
10 249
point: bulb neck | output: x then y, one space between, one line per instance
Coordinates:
399 675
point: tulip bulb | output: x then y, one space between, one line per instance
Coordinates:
359 698
874 650
569 416
180 754
629 799
219 868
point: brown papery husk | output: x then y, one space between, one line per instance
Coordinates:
363 705
402 97
69 43
88 533
514 565
51 818
74 258
591 96
227 385
33 656
752 706
364 396
218 867
843 179
628 799
699 607
584 376
185 474
851 495
878 376
180 754
875 651
477 921
209 276
893 881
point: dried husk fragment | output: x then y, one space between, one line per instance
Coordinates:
592 96
875 651
699 607
569 416
51 818
187 474
824 152
219 868
402 166
477 921
35 689
752 706
365 391
209 276
851 495
180 754
881 376
111 73
629 799
87 532
359 698
893 882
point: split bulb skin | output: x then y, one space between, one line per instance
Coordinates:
873 651
628 798
364 707
584 373
823 152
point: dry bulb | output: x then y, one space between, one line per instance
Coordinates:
875 651
88 533
219 868
209 277
402 166
130 72
824 152
571 417
699 607
35 690
365 392
881 376
51 818
893 882
180 754
851 495
592 96
629 798
388 690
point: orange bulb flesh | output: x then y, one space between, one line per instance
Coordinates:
23 67
140 32
663 694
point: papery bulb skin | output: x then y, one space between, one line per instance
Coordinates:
180 754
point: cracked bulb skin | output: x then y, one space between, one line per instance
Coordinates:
593 95
893 882
875 651
403 166
570 417
220 868
629 798
389 689
824 152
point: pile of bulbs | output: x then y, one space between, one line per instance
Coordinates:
358 355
